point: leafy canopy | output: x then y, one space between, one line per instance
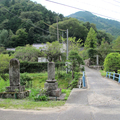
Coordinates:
53 50
116 44
27 53
112 62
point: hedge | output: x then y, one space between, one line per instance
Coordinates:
34 67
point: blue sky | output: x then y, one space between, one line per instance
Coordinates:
105 8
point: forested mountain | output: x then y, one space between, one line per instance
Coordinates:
110 26
24 22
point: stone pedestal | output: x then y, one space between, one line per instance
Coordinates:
51 85
14 95
15 90
52 89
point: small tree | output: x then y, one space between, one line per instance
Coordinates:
112 62
28 53
53 51
91 41
75 60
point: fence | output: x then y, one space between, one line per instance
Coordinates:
83 78
113 75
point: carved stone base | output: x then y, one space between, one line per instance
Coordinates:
51 86
15 95
15 89
52 89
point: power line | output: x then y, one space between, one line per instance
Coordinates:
99 7
82 9
53 27
111 3
29 23
116 1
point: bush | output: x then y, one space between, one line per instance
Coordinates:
25 80
3 85
41 98
112 62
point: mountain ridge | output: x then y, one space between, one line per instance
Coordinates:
110 26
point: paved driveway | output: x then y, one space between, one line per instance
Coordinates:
100 101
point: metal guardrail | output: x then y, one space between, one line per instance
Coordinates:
83 78
113 76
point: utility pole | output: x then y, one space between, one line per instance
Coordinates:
67 46
62 36
57 31
67 53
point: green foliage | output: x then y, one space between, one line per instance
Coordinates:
103 50
74 44
118 71
116 44
112 62
41 98
34 92
27 53
91 41
91 52
73 84
53 51
3 85
32 67
26 80
75 60
34 16
63 79
2 49
101 34
10 52
75 27
20 39
103 73
111 26
67 92
4 62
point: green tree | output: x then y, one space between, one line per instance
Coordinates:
101 34
91 41
4 62
112 62
20 39
28 53
103 50
116 44
4 37
53 51
75 60
75 27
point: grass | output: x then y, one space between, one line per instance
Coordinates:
38 80
3 84
67 92
26 104
103 73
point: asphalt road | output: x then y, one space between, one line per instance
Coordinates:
100 101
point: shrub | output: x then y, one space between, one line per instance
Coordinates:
3 85
25 80
112 62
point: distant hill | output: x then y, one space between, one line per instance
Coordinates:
110 26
